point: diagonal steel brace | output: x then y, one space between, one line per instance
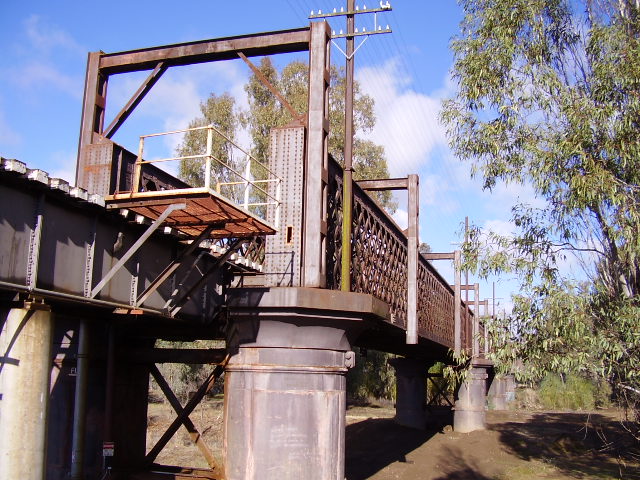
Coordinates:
175 264
195 435
175 306
136 246
206 386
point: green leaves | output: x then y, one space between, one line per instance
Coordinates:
549 96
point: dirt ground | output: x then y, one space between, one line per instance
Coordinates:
517 445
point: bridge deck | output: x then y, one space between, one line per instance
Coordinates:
204 207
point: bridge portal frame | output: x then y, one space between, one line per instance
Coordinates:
315 39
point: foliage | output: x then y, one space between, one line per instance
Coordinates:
572 393
549 98
186 378
369 160
220 111
371 377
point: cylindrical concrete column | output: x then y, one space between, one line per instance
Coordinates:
285 406
470 407
497 394
25 345
411 392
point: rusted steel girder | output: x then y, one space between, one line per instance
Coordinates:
101 65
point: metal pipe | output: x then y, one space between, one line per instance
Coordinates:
347 179
80 403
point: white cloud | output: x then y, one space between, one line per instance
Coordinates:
401 217
175 100
44 37
41 56
42 75
407 121
500 227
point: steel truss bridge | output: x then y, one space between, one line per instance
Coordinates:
92 275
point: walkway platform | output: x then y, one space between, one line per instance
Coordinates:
204 207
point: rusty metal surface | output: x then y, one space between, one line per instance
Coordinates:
315 198
80 239
379 267
204 207
257 44
283 252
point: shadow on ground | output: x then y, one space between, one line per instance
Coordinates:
453 461
578 444
375 443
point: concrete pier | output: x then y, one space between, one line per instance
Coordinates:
411 392
25 346
285 406
285 383
470 407
501 392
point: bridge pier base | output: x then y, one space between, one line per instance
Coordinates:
285 400
501 392
411 392
470 407
25 345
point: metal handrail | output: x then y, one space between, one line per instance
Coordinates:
208 157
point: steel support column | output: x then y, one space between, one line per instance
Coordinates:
25 370
315 168
412 260
476 320
411 392
80 404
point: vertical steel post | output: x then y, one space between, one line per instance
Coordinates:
80 403
347 179
137 167
412 260
207 162
486 329
457 330
466 271
313 265
247 174
476 320
93 107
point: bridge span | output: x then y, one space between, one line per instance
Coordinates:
92 275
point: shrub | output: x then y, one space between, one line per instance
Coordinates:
569 393
371 378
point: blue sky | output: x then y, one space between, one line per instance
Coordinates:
45 43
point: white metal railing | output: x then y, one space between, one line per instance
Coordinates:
255 192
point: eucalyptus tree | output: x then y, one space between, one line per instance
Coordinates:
548 97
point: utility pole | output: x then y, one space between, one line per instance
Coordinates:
347 179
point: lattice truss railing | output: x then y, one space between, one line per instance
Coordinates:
379 266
